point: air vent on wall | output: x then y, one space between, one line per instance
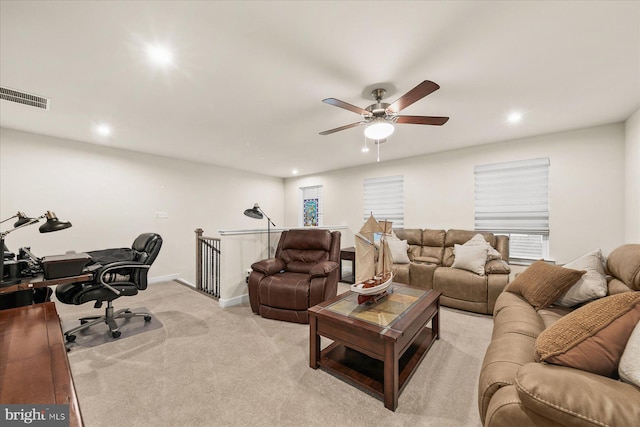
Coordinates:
24 98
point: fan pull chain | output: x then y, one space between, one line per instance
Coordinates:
378 144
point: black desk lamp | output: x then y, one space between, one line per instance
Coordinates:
257 213
52 224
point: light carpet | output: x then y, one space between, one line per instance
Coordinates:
208 366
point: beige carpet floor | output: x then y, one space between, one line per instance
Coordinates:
208 366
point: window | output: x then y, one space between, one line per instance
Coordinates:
312 212
512 198
384 197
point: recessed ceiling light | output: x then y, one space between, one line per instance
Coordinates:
159 55
295 171
514 117
103 129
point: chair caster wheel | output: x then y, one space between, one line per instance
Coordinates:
70 338
147 318
116 334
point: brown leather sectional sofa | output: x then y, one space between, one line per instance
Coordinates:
431 256
514 390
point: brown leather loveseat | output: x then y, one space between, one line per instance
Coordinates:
431 256
515 390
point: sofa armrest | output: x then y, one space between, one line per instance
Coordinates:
615 286
502 246
269 266
322 269
497 266
571 396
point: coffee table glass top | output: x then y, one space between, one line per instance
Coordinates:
384 312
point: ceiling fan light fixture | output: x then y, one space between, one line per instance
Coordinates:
379 130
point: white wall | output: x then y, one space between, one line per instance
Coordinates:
587 206
111 196
632 178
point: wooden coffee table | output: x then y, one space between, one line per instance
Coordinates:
376 347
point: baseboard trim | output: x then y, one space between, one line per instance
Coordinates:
231 302
223 303
184 282
167 278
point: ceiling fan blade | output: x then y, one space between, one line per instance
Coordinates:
347 106
422 120
415 94
352 125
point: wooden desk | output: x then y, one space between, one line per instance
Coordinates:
40 282
34 368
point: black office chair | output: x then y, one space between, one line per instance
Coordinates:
118 272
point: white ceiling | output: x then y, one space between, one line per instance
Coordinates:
246 87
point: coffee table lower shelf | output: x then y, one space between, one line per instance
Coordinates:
367 373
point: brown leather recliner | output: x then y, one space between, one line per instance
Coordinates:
303 273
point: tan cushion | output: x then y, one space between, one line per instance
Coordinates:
571 397
593 337
541 283
426 260
624 264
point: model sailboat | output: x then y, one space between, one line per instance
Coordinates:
373 277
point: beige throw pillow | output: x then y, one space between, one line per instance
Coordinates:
593 337
591 286
629 368
541 283
479 240
470 258
399 249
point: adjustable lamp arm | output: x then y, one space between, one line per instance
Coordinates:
32 221
52 224
266 216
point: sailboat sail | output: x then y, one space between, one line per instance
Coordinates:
384 257
366 251
368 266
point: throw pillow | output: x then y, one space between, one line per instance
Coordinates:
470 258
593 337
479 240
399 249
541 283
590 286
629 368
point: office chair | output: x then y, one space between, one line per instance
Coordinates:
117 273
303 273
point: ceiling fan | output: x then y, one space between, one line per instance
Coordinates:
380 117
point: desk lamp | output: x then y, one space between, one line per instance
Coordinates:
52 224
258 213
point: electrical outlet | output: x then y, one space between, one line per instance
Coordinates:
162 214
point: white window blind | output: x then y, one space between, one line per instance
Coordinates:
384 197
513 198
312 208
